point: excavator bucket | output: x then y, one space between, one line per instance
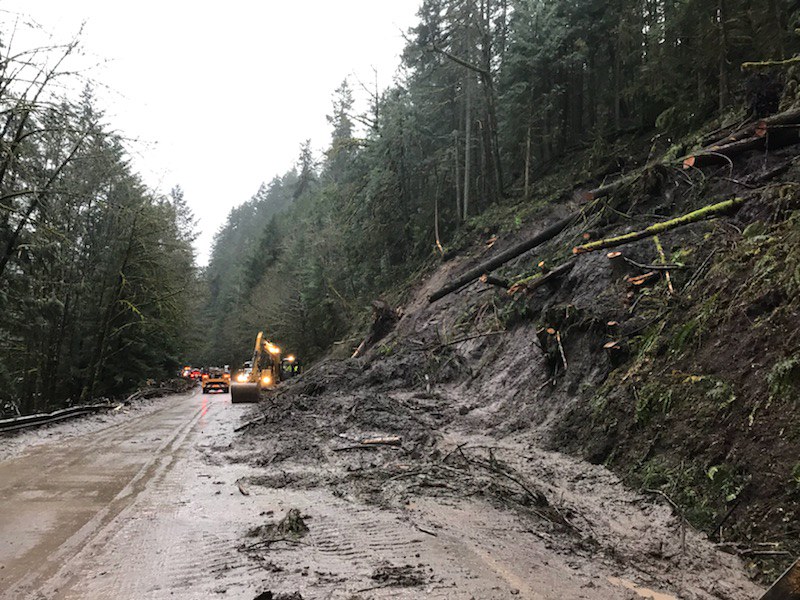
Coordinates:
245 392
787 587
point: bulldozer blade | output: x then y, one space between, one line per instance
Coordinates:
787 587
245 392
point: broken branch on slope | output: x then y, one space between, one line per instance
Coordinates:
496 281
757 129
764 64
692 217
717 154
609 188
502 258
535 282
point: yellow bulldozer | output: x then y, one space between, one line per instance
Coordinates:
262 372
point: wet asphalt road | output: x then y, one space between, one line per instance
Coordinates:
63 503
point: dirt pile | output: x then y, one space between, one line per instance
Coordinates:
684 379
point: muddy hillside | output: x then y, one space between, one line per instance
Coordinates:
671 357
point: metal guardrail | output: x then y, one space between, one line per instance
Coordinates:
30 421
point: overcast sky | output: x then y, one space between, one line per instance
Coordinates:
221 94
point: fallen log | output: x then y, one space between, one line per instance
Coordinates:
495 281
759 128
532 283
392 440
372 443
609 188
692 217
721 154
490 265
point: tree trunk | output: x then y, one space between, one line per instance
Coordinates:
540 238
87 394
617 88
527 163
692 217
457 175
723 56
467 147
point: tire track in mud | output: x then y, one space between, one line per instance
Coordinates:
475 552
471 542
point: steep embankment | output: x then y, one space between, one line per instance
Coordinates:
683 380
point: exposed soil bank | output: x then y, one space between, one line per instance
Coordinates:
693 404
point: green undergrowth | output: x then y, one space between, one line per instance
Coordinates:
705 407
704 494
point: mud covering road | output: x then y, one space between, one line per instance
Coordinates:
164 504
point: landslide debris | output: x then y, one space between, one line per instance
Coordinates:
673 361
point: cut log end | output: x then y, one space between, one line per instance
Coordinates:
642 279
613 255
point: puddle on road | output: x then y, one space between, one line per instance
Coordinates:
643 592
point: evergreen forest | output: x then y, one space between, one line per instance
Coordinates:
99 287
491 97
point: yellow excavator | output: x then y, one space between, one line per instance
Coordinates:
262 372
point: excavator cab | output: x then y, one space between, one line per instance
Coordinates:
290 367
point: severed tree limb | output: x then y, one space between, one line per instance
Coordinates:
644 267
692 217
463 339
678 511
247 424
759 128
718 154
609 188
769 174
537 281
496 281
502 258
764 64
561 350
